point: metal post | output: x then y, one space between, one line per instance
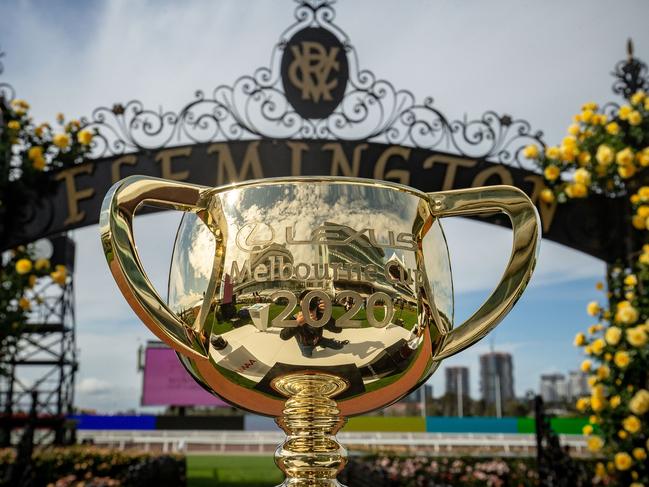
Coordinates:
460 393
499 412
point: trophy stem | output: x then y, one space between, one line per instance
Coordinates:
310 456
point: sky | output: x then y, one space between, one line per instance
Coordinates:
534 60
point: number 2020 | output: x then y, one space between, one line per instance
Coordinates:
344 321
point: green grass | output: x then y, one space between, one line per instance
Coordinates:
232 471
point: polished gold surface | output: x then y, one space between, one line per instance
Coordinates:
310 288
310 455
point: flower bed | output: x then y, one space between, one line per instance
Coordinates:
385 471
90 466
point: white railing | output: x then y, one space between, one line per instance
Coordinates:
252 442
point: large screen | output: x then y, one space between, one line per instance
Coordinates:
167 383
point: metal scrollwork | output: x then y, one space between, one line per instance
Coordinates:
256 106
630 75
7 92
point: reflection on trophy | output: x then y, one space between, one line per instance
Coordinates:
312 299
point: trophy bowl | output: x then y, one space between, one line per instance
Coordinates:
312 299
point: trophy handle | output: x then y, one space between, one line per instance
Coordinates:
116 228
525 224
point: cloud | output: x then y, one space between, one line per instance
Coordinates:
92 386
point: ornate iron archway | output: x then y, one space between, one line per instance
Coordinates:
312 110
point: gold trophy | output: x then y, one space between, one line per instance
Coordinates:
310 299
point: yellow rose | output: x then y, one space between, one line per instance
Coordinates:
547 195
580 339
613 335
20 106
631 424
553 152
587 115
631 279
626 314
574 129
598 391
625 111
40 129
24 304
623 461
625 157
635 118
604 155
598 346
583 158
23 266
591 105
595 444
587 430
576 190
592 380
35 152
597 403
13 125
600 470
644 258
568 153
621 359
84 137
551 172
639 403
623 435
586 365
636 336
593 419
626 172
582 404
603 372
635 199
615 401
62 141
599 285
582 176
643 157
39 164
60 275
41 264
613 128
638 97
639 453
593 308
531 151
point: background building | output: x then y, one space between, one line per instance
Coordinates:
496 377
553 387
457 380
577 385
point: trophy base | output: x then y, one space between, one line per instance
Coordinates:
310 456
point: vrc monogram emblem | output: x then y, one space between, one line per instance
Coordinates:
311 68
315 71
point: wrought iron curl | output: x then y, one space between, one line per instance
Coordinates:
630 75
7 92
256 106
